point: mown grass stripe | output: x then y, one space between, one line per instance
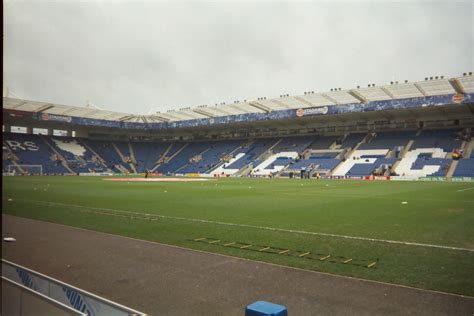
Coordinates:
406 243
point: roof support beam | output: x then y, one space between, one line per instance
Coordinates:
260 106
171 116
126 117
159 118
239 108
16 106
304 101
45 107
202 112
357 95
457 86
105 117
324 95
90 112
420 89
281 103
387 92
219 109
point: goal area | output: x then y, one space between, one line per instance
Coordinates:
25 169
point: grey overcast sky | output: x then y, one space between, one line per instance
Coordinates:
138 56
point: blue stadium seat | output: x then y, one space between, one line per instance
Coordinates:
465 168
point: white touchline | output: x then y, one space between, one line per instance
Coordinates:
407 243
465 189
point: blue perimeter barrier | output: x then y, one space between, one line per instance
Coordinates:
262 308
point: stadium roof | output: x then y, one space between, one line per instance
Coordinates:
428 87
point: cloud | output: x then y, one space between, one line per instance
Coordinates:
133 56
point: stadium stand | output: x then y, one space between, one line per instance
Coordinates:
250 152
429 155
77 157
352 140
465 168
344 133
211 157
323 142
388 140
147 154
444 139
32 150
183 157
108 154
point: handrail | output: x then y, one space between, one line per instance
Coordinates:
70 294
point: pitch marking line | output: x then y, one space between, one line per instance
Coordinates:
465 189
397 242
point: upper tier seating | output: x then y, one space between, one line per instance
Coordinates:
293 144
388 140
444 139
352 140
323 142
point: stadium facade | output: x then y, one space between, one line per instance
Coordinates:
399 131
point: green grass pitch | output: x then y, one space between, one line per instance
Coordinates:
283 213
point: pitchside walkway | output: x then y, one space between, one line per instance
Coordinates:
166 280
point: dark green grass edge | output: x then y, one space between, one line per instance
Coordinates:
440 270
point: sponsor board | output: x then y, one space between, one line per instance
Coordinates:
193 174
377 178
462 179
155 179
92 174
312 111
52 117
404 178
17 113
458 98
433 179
342 177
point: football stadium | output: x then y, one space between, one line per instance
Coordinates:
340 201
